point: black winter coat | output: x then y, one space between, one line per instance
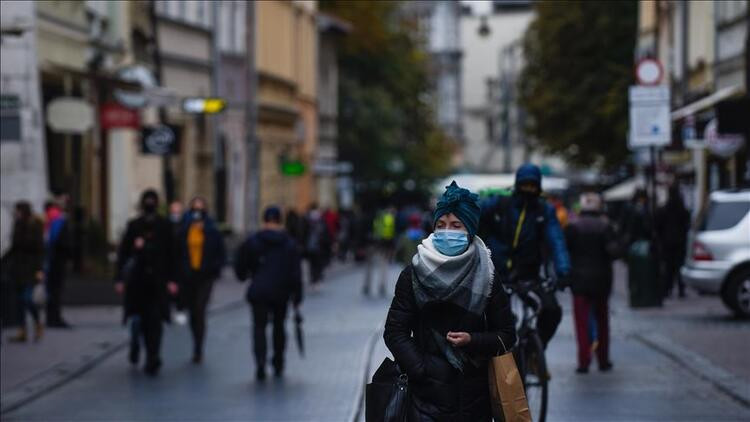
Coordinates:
592 246
439 391
26 254
146 271
273 260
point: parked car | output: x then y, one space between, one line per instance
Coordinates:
718 258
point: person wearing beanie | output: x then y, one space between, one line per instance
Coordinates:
593 246
459 316
145 277
521 230
273 259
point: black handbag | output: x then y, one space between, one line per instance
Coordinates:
387 396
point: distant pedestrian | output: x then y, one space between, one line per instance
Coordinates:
176 220
272 259
145 276
25 261
407 244
384 239
449 316
295 227
200 258
636 223
672 226
317 244
58 251
592 246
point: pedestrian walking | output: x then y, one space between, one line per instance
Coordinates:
384 236
523 233
145 276
200 258
25 261
58 250
672 226
458 313
176 217
592 245
406 246
317 245
272 259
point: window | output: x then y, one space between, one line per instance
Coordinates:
723 215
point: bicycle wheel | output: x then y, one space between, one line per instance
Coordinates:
535 376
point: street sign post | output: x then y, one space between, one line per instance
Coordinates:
650 124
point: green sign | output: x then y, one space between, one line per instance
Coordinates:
292 168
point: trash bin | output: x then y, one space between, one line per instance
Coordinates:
643 276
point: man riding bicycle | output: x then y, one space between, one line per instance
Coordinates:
522 231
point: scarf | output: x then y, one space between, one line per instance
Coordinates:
464 280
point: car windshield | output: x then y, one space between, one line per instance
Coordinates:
723 215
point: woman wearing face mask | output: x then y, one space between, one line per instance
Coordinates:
449 316
200 259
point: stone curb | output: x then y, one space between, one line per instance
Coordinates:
730 384
64 372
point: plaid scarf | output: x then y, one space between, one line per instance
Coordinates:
464 280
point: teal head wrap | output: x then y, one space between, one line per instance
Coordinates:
461 203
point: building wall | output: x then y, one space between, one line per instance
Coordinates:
23 170
700 57
481 56
731 33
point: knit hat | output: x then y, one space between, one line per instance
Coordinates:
461 203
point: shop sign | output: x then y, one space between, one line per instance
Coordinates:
115 116
650 123
160 140
70 115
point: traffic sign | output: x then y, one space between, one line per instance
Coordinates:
650 123
649 72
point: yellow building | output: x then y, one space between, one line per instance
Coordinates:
286 49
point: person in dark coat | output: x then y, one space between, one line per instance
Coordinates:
672 226
58 247
272 259
522 231
449 316
592 245
145 276
317 246
200 258
25 261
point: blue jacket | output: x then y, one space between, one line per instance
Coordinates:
540 234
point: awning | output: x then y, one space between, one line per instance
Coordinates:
706 102
625 190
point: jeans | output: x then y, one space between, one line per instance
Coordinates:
27 305
197 292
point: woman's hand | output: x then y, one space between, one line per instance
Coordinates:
458 339
39 276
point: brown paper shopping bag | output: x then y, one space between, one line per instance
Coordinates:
506 391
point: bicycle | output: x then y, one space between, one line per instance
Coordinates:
529 351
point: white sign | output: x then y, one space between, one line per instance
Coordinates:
138 74
723 145
650 124
70 115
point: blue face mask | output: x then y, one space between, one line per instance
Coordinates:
450 242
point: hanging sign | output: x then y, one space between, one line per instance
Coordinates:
160 140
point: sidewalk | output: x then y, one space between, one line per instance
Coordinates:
30 369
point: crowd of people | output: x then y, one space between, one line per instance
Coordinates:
173 261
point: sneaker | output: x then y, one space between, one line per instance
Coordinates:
582 370
606 367
260 374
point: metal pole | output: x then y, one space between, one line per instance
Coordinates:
251 117
166 167
215 118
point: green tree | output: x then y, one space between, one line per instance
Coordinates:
387 127
579 64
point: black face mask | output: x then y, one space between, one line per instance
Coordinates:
149 207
